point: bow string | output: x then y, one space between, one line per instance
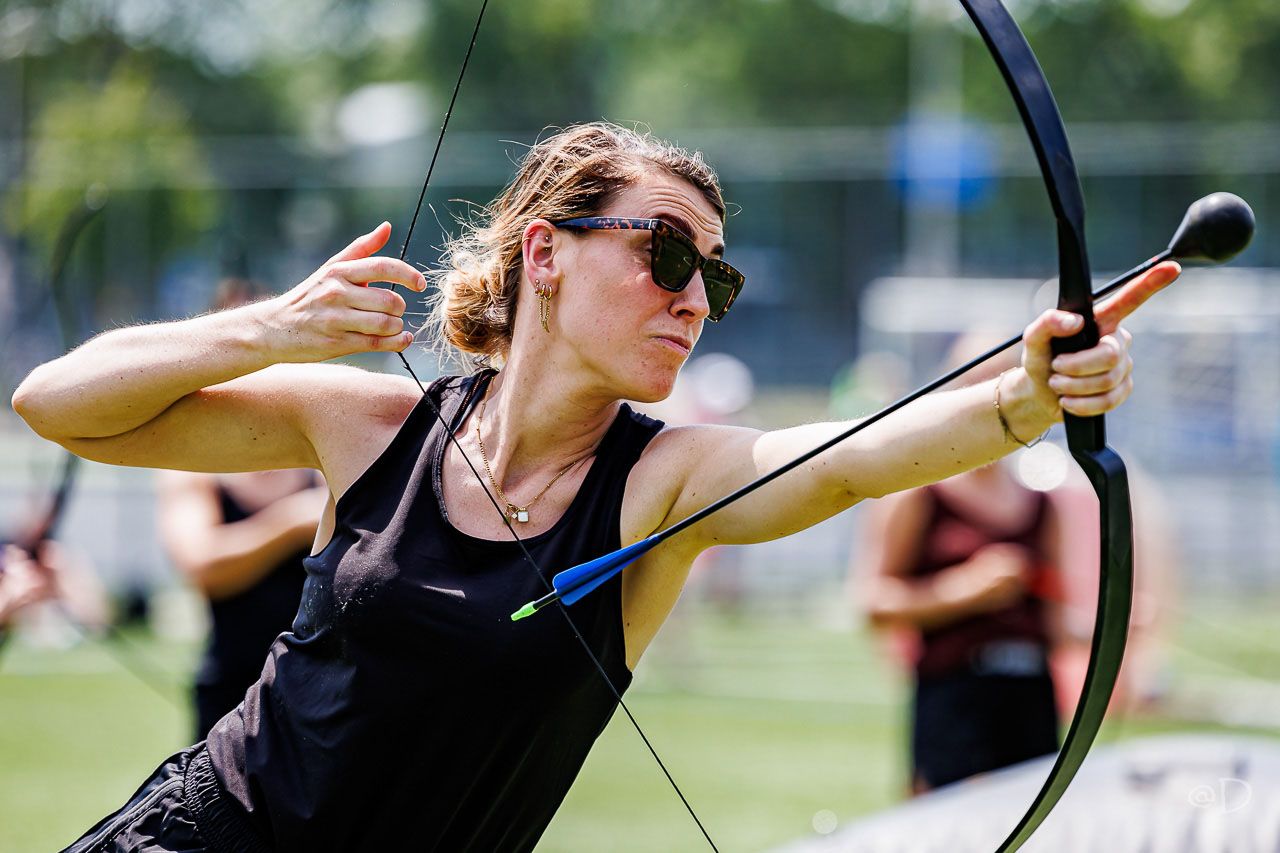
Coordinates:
528 557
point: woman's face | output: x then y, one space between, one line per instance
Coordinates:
625 329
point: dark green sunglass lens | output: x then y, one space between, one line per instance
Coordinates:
723 283
672 263
719 295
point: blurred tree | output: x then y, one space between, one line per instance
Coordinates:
715 63
1148 60
124 133
186 93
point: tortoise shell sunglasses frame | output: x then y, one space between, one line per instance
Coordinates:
673 259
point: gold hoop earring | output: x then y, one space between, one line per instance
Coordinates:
544 302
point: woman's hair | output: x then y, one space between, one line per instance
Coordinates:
576 172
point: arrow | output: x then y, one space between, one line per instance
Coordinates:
1214 229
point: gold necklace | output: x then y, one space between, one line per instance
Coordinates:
515 513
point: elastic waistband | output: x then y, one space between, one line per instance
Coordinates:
222 823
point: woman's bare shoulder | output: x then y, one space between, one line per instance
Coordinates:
666 471
351 414
680 447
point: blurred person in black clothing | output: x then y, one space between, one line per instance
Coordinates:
240 540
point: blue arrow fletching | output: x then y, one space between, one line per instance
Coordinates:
574 583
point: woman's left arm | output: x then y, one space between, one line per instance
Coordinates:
934 438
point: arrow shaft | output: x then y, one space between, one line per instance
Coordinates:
684 524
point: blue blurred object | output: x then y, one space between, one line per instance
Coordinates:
942 160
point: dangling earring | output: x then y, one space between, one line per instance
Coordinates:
544 302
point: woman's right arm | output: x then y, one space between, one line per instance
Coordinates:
197 395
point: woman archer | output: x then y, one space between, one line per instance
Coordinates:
405 710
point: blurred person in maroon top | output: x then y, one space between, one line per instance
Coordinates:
962 568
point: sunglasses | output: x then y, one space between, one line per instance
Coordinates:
673 259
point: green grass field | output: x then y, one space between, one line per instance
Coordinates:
764 723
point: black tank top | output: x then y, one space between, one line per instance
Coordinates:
406 711
243 625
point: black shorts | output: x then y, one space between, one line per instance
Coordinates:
968 723
179 809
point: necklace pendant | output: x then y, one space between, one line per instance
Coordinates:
518 514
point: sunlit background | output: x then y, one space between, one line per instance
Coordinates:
884 201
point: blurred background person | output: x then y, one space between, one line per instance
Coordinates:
45 588
961 569
1157 558
23 582
240 540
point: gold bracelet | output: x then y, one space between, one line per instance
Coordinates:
1004 424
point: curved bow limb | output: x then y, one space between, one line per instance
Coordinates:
77 219
1086 436
1105 470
